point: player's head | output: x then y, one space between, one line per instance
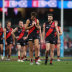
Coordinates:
8 23
20 23
33 15
0 24
50 17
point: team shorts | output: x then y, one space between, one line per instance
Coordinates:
32 37
9 41
1 41
50 40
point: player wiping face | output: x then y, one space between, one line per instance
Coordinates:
32 25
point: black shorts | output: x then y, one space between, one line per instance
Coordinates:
9 41
22 42
56 39
1 41
32 37
50 40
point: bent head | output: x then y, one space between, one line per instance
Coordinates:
20 23
33 15
8 23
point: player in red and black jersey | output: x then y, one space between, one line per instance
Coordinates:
19 37
25 39
32 25
48 36
9 39
1 40
58 43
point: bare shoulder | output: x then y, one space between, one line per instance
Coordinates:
56 23
4 29
27 20
37 20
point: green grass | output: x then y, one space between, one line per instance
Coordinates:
13 66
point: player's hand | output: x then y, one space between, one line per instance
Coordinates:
33 23
58 41
17 37
24 38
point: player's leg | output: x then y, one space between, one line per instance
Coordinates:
19 48
36 44
6 49
25 52
39 53
22 48
9 54
47 52
31 51
52 47
1 46
58 52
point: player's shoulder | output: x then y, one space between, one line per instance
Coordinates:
28 19
4 29
55 21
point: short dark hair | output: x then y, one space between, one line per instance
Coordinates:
8 22
34 14
50 15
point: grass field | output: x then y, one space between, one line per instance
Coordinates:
14 66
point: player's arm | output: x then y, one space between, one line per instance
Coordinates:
56 27
40 34
60 33
37 25
13 38
26 36
14 30
27 24
44 32
5 35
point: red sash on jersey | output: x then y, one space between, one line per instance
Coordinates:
33 28
50 30
21 34
37 31
1 30
9 34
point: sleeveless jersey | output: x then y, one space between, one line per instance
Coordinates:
49 29
1 33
